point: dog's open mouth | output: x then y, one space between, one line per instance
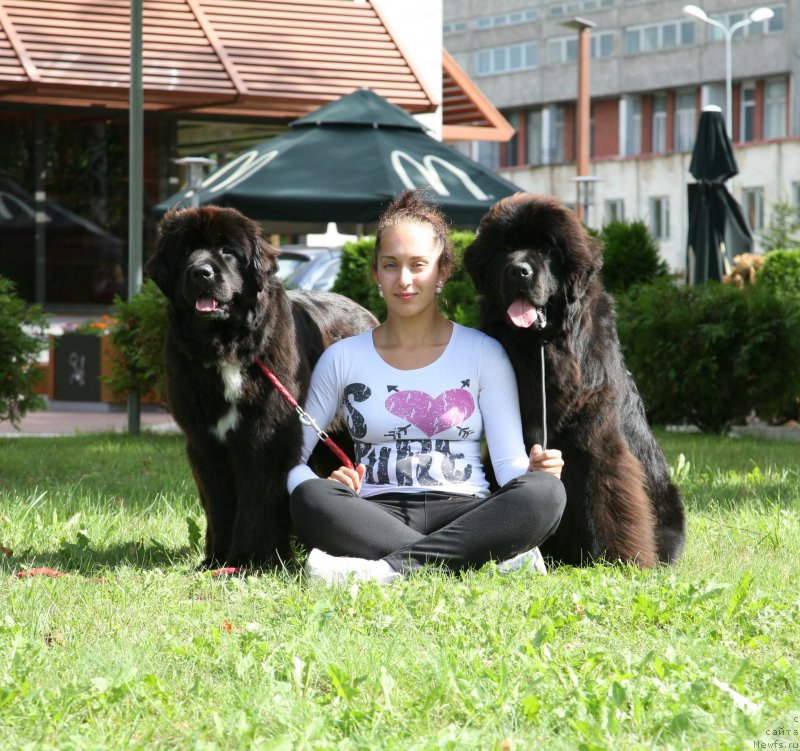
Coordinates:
523 314
207 305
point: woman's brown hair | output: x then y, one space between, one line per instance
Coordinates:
409 207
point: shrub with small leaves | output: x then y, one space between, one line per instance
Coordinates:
710 354
22 339
139 331
630 256
781 271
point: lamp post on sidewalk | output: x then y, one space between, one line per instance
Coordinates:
583 27
759 14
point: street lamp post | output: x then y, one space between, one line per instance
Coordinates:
759 14
583 27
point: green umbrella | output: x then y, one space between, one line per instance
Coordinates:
717 228
344 163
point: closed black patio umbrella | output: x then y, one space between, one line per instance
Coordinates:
344 163
717 228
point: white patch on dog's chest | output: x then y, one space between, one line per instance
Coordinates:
232 381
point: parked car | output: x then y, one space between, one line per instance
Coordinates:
292 257
309 268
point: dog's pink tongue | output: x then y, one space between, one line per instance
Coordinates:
206 305
522 314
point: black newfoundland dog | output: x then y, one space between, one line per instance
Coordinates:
537 270
226 310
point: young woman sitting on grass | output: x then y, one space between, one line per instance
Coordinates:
418 393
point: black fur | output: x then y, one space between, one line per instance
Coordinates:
621 502
240 466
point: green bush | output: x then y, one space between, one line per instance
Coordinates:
19 351
458 300
630 256
709 355
138 331
355 276
783 229
781 271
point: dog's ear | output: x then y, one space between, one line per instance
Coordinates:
263 260
162 265
584 263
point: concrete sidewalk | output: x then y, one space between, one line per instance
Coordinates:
72 418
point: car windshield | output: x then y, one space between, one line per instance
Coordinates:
289 264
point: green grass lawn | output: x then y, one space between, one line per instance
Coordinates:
134 648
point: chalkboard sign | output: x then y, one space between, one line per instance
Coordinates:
77 367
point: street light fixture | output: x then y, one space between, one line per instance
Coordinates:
759 14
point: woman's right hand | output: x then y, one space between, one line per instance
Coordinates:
352 478
546 460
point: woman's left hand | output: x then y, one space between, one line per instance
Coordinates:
549 461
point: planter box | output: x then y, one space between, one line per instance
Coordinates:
79 365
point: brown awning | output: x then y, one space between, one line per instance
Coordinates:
467 114
275 59
260 57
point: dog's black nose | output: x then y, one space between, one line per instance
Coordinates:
202 271
521 270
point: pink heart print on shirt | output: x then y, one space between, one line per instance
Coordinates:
431 415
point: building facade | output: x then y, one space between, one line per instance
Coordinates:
653 69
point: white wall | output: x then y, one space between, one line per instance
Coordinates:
417 27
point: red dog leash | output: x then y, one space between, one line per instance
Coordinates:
305 418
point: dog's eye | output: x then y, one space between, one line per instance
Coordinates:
227 252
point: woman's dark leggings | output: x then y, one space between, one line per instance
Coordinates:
409 530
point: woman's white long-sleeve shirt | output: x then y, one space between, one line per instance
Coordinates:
420 429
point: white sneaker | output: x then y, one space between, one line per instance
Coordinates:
530 559
340 569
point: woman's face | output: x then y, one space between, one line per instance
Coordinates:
407 268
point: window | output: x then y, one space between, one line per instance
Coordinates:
776 23
602 45
554 134
506 19
650 38
669 38
660 123
659 218
535 137
775 109
562 50
454 28
614 210
511 147
483 63
684 121
633 125
714 93
747 130
506 59
663 36
753 200
488 154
